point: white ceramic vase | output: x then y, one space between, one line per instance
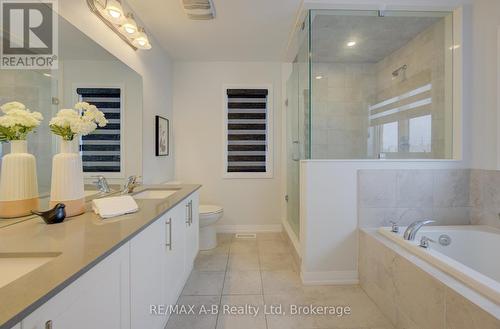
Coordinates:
67 179
18 182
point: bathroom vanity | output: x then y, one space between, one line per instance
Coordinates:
92 273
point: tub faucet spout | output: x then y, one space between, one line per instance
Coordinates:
412 229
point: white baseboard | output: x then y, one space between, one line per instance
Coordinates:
291 235
249 228
331 277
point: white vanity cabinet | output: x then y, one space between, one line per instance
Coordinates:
175 255
192 230
98 299
158 268
132 287
147 276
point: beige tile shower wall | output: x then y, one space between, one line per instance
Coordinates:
403 196
485 197
411 298
425 53
340 109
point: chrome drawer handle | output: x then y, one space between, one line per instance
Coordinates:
169 243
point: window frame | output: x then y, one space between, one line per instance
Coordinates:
269 134
76 98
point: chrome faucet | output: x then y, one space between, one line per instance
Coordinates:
102 184
131 184
412 229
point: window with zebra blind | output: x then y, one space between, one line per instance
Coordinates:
101 150
248 132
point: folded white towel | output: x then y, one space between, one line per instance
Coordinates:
114 206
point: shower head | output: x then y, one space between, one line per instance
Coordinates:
398 71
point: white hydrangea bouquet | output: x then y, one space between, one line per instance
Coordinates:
17 121
82 120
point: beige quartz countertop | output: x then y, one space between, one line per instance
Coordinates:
82 242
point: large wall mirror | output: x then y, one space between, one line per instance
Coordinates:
86 72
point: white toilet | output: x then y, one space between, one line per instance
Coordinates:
209 215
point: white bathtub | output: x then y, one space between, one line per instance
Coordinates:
472 256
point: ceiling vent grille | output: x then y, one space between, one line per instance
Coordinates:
199 9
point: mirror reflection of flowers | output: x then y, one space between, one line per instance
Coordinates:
17 121
82 120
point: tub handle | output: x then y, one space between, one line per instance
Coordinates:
424 242
394 227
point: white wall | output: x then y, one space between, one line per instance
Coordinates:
485 121
77 73
329 214
249 204
155 68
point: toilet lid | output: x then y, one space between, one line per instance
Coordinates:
210 209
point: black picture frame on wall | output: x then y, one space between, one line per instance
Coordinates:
162 129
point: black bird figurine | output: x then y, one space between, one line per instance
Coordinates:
53 216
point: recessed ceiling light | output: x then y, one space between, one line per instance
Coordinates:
351 43
319 77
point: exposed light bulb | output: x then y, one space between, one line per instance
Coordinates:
114 9
351 43
130 26
114 13
141 40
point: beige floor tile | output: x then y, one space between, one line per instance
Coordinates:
243 246
280 282
287 320
211 262
229 318
244 262
271 236
196 320
204 283
222 248
276 262
273 247
242 283
224 237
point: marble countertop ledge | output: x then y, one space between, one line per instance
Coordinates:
82 241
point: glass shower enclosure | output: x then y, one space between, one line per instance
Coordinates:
369 85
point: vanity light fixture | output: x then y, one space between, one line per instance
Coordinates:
112 13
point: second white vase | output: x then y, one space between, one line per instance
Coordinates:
67 179
18 182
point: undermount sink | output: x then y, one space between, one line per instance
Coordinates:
154 194
15 265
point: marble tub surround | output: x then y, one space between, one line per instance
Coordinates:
485 197
407 195
413 294
81 242
262 272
